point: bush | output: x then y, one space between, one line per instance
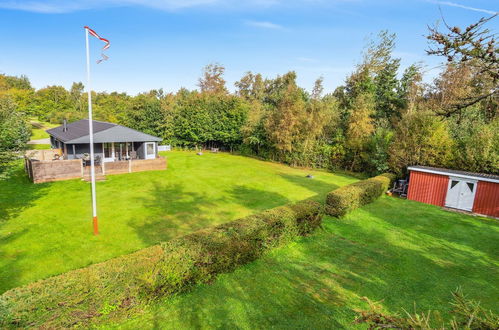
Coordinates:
347 198
125 282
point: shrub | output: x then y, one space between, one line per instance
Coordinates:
347 198
125 282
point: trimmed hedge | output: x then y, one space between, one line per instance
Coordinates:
123 283
348 198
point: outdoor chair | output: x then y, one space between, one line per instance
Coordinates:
86 159
400 187
133 154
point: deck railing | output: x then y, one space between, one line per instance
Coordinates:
55 170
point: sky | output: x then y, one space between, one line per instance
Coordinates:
166 43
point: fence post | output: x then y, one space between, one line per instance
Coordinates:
129 166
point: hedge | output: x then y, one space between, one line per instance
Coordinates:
124 283
352 196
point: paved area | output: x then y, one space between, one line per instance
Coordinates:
41 141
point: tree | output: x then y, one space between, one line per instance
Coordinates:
250 87
388 101
318 89
410 89
474 47
476 142
15 131
52 104
212 80
145 114
360 127
421 138
13 82
76 96
283 125
375 75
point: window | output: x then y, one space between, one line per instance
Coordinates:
108 150
471 186
453 184
150 148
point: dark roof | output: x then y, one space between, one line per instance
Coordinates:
446 171
77 132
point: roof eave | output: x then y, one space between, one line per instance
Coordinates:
457 175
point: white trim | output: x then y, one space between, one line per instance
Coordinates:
457 175
153 155
109 159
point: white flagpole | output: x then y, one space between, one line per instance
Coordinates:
91 135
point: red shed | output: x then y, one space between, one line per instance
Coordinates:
474 192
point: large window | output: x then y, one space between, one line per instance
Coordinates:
108 150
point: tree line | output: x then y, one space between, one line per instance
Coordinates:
381 119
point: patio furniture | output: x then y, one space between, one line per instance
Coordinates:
86 159
133 154
400 187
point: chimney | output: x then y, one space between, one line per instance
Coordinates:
65 126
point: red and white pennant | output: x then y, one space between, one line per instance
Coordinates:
106 46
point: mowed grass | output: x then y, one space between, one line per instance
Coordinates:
38 129
397 251
38 146
46 229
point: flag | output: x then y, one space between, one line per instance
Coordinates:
106 46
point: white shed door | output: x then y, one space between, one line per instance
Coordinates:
461 194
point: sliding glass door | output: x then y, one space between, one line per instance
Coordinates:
108 152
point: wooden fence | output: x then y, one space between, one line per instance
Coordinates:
46 154
55 170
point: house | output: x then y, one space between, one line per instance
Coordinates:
468 191
112 142
117 150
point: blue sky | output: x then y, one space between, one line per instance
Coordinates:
166 43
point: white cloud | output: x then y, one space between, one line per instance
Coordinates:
264 25
66 6
453 4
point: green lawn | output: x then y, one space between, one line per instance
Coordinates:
393 250
38 146
45 229
38 129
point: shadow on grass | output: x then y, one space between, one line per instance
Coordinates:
320 188
17 194
178 212
406 257
175 212
477 233
381 251
256 199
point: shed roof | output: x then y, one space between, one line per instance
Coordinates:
77 132
456 173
